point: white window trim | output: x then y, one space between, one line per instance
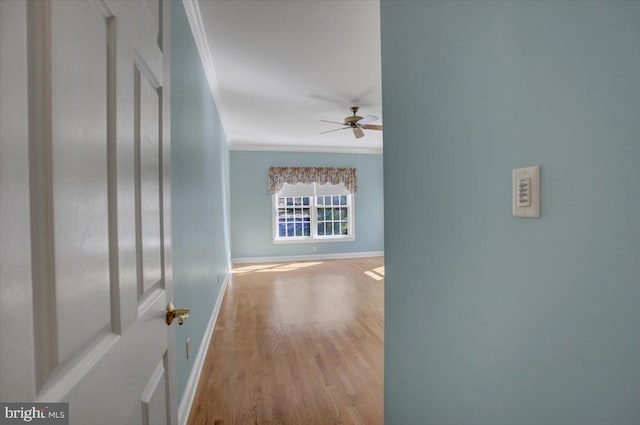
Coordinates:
314 238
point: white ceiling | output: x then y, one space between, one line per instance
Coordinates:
278 67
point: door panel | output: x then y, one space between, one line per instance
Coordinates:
79 169
153 399
116 383
84 150
147 101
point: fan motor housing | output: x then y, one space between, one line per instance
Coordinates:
352 119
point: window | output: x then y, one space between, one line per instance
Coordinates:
312 212
294 216
332 215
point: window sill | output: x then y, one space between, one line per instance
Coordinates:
312 240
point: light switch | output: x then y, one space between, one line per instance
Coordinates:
526 192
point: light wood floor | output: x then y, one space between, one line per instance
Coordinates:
297 343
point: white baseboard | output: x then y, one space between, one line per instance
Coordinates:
192 384
344 255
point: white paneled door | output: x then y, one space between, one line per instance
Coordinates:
85 235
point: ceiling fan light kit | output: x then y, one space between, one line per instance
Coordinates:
356 123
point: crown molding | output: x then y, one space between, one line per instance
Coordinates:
257 147
192 9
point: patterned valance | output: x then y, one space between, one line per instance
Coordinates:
278 176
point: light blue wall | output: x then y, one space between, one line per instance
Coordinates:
200 192
251 203
491 319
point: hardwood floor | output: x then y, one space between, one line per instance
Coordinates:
297 343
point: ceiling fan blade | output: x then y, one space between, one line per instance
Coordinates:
357 131
366 120
334 122
337 129
372 126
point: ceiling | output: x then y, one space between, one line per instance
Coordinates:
276 68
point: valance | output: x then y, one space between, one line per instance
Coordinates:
278 176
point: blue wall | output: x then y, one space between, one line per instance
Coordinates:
200 192
251 203
491 319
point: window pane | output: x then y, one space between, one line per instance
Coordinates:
294 215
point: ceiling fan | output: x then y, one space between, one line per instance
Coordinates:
356 123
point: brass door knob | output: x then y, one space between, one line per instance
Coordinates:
180 313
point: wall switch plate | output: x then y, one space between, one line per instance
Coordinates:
526 192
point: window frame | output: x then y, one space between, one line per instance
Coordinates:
314 238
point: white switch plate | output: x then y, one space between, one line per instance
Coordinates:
526 192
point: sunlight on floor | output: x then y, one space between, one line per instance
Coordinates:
377 273
248 269
278 267
292 266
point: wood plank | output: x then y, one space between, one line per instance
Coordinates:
297 343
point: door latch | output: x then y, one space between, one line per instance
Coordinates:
180 313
